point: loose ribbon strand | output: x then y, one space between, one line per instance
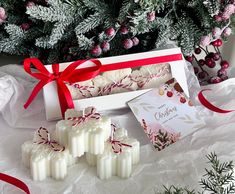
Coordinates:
14 181
210 106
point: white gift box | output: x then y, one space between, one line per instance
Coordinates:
114 101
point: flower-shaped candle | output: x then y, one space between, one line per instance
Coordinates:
46 157
121 152
83 131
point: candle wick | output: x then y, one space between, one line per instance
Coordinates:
112 135
83 113
49 138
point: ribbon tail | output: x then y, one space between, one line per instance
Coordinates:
210 106
14 181
65 97
35 92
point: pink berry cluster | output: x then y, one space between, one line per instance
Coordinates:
221 18
151 16
209 61
3 15
226 13
110 33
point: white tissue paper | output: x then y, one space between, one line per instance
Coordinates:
181 164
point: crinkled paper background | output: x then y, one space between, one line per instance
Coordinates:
180 164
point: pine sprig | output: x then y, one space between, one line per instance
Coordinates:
89 23
176 190
219 179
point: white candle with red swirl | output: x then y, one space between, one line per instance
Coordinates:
83 131
118 158
45 157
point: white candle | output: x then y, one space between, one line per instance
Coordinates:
119 164
82 90
152 76
116 81
85 136
45 158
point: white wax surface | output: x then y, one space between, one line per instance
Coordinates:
88 136
44 162
116 164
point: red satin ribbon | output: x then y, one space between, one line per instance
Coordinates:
14 181
210 106
70 74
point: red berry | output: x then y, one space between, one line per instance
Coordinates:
222 72
215 80
30 4
169 94
151 16
216 56
224 77
201 62
135 41
218 18
127 44
209 56
198 51
110 32
182 100
224 64
124 30
219 42
214 43
202 75
96 50
105 46
25 26
196 70
189 58
210 63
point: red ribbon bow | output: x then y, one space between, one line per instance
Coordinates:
69 75
90 113
43 137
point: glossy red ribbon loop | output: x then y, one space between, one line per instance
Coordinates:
14 181
69 75
210 106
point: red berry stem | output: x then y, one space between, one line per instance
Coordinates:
204 50
200 65
207 50
218 51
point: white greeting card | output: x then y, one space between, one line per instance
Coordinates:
166 114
